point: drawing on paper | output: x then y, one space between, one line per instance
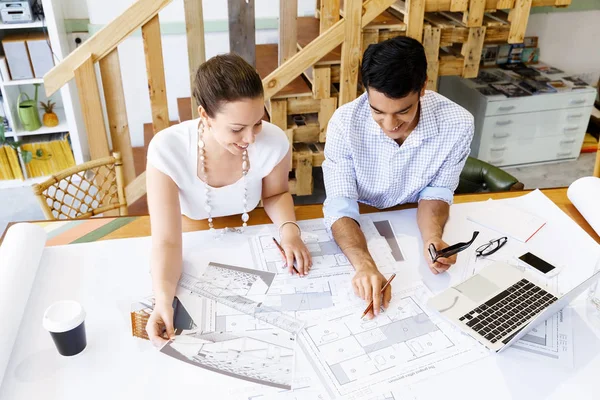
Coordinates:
351 354
323 249
353 348
242 281
325 252
266 358
231 332
386 230
552 339
308 298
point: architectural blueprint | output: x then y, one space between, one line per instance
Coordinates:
233 333
404 343
552 340
324 251
246 322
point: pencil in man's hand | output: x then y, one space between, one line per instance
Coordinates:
370 306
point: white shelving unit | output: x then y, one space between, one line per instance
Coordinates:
63 126
35 24
23 82
67 107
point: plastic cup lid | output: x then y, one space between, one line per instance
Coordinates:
63 316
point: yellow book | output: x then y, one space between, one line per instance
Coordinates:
68 158
47 163
13 160
31 166
58 155
5 169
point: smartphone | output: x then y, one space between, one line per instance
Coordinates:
541 266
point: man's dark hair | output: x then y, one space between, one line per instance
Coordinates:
396 67
225 78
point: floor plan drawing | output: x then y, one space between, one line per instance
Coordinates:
551 340
351 354
307 298
242 281
386 230
266 358
325 252
323 249
233 332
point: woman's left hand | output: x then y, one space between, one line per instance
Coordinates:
296 253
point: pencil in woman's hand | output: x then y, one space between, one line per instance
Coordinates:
283 253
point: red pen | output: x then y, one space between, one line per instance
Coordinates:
283 254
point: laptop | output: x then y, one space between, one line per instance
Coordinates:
500 304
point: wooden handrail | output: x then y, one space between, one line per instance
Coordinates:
116 111
156 74
194 23
91 108
351 54
318 48
103 42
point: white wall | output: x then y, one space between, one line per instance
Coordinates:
569 41
75 9
131 52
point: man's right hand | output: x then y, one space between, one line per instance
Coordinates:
160 324
367 284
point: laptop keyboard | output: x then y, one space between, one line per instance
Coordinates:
504 312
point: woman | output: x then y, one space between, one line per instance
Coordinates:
220 164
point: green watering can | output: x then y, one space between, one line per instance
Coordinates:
28 111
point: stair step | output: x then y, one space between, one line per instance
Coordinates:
184 108
266 62
308 30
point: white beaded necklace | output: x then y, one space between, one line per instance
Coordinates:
207 188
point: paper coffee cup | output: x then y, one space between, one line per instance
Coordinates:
65 320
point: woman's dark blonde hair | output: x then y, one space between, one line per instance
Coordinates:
225 78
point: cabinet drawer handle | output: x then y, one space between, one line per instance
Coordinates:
498 148
578 101
503 123
571 128
574 116
567 141
506 108
501 135
564 154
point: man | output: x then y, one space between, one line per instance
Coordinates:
397 143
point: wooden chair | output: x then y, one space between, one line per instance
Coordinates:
84 191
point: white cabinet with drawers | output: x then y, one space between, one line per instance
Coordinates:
523 130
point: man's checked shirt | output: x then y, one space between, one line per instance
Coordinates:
362 164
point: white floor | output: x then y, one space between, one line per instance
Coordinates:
19 204
555 175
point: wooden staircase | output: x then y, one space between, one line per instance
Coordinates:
313 71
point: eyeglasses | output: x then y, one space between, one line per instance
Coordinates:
449 251
490 247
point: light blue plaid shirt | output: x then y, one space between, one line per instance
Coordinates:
363 164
